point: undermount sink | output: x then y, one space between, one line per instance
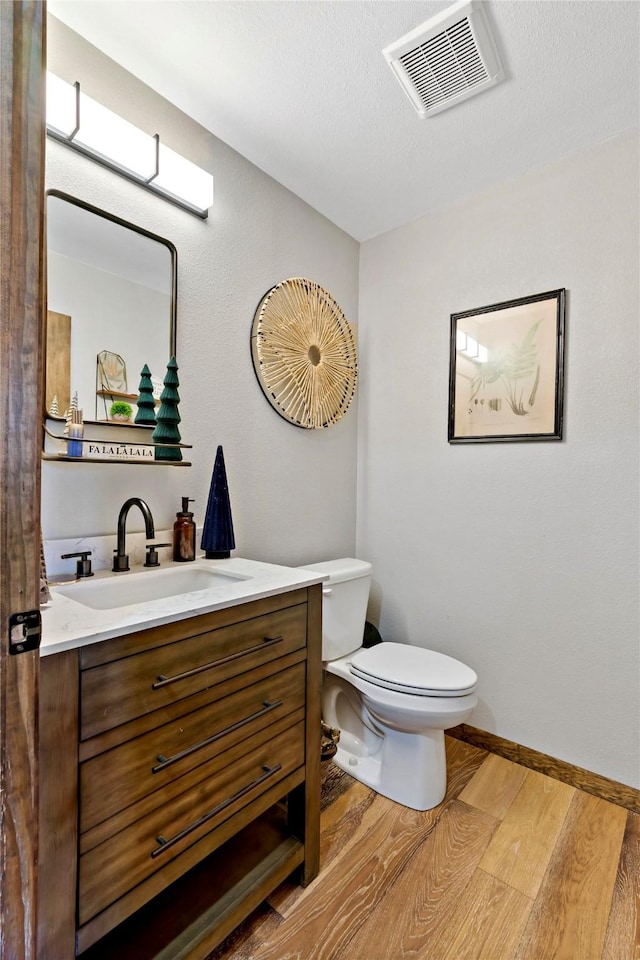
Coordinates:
143 586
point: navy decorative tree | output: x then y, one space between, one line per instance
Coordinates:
217 533
168 418
146 403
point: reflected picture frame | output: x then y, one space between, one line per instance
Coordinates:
506 376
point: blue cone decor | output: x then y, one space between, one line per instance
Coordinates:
217 533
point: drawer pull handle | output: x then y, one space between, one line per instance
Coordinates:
163 761
162 681
165 844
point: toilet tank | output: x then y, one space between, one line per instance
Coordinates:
344 604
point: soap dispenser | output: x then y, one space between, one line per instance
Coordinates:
184 533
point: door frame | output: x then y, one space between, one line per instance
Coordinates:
22 174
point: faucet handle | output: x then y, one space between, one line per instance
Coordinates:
120 562
83 565
152 559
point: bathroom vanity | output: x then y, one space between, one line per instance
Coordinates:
179 759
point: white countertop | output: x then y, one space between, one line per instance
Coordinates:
67 623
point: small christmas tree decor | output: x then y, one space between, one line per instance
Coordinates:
68 414
217 533
146 404
168 418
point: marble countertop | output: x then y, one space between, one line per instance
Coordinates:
68 623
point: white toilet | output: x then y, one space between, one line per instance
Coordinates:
392 702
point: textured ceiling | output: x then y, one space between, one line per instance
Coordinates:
302 90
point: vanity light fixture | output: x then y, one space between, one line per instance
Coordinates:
91 129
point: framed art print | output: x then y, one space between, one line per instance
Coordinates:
507 371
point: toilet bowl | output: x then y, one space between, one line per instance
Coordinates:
391 702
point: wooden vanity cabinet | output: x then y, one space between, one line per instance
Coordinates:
180 780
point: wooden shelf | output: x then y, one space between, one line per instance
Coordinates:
121 423
63 458
192 916
107 423
110 395
118 394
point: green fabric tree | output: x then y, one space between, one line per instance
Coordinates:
146 404
167 417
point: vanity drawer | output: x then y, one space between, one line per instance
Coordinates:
111 869
153 678
117 778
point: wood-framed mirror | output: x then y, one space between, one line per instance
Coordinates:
111 308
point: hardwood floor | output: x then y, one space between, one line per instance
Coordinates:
513 865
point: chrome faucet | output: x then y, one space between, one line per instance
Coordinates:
121 559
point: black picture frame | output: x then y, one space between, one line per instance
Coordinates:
506 375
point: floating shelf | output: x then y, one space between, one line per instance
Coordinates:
118 394
136 456
121 423
109 395
62 458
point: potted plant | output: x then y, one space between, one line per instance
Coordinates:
120 410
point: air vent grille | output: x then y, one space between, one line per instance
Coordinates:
447 59
445 66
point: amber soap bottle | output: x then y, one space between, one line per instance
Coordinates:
184 534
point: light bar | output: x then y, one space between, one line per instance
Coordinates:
61 106
181 178
91 129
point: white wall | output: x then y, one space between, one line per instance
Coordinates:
521 559
292 490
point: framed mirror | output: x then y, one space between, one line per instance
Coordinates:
111 309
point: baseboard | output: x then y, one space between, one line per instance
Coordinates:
593 783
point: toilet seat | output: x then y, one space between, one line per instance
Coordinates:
413 670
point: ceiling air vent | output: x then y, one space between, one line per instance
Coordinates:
449 58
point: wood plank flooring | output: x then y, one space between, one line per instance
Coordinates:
513 865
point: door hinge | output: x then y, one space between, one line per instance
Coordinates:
25 630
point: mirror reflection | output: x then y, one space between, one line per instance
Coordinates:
111 289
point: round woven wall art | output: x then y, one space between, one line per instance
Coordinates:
304 354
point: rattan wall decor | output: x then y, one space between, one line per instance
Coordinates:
304 354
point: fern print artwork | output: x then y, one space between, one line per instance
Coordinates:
513 367
506 373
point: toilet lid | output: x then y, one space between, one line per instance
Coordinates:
408 669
